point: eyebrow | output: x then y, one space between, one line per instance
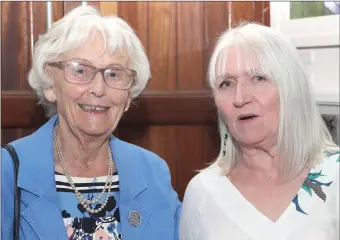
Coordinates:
90 63
247 73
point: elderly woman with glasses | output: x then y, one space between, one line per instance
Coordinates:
77 180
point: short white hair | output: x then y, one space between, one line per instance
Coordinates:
302 133
75 29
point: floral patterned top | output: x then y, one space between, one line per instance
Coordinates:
312 214
79 224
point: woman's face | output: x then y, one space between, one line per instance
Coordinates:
249 103
93 108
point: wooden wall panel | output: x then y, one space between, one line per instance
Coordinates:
58 10
162 42
108 8
36 26
136 14
241 11
191 151
163 141
261 13
190 45
69 5
216 18
14 44
175 117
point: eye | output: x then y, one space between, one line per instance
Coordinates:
81 71
112 74
259 78
225 84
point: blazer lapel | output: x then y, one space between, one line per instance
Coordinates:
133 216
40 206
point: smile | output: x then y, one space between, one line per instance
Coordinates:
90 108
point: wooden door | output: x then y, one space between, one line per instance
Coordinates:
175 117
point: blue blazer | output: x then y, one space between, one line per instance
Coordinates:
144 180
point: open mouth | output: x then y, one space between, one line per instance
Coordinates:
93 109
247 117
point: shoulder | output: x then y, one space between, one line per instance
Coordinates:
196 199
326 173
20 146
205 180
200 187
329 164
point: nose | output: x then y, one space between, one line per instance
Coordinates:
98 85
243 95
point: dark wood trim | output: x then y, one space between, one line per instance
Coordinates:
20 109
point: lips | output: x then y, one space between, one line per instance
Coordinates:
245 117
92 108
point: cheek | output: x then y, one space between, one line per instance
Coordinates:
68 93
118 97
272 108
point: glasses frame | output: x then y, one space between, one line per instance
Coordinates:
62 66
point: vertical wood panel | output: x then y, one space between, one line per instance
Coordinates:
14 44
258 12
241 11
266 9
8 135
211 143
215 22
191 151
191 74
163 142
95 4
108 8
136 13
58 10
138 135
68 6
262 12
36 26
162 42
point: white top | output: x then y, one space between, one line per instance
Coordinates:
213 209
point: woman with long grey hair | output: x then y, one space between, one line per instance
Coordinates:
277 173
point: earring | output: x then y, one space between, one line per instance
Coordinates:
51 99
225 144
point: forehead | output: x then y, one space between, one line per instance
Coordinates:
239 60
95 50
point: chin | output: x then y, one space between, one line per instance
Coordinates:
96 130
250 140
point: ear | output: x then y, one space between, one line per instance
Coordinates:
50 94
127 106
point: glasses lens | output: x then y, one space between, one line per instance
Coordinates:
118 78
78 73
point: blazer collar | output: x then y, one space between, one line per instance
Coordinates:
36 173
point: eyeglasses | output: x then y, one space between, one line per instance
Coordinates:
81 73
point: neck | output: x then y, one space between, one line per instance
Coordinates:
79 149
261 162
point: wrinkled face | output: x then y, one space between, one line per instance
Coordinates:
93 108
248 100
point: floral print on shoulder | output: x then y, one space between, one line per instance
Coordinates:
318 179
